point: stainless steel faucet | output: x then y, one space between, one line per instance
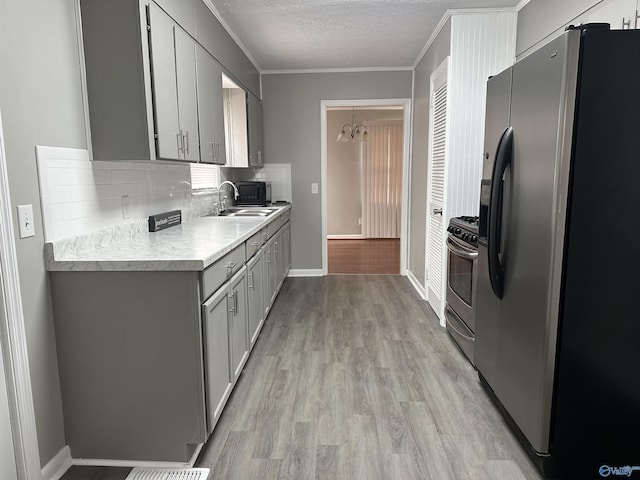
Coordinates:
221 203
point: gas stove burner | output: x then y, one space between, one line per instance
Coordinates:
469 220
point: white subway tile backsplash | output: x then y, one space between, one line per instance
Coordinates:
79 196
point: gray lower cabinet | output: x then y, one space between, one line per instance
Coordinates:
218 376
238 327
129 348
210 108
255 299
148 360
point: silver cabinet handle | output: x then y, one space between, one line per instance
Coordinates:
230 268
213 151
179 141
260 157
437 211
268 252
186 149
232 296
251 283
256 247
235 299
275 247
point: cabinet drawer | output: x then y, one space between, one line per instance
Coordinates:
218 273
254 243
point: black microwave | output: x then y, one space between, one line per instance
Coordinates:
254 193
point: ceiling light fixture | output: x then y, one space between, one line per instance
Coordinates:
353 131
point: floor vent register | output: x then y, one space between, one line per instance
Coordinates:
168 474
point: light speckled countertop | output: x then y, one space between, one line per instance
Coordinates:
191 246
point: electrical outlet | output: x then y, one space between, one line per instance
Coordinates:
314 188
126 206
25 221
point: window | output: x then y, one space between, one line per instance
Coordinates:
204 177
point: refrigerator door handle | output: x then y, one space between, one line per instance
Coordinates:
504 157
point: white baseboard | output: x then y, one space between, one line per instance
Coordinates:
416 284
346 237
58 465
96 462
302 272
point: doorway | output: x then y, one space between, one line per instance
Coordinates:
364 194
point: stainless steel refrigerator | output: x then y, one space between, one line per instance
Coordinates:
558 294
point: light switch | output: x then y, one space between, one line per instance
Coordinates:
25 221
314 188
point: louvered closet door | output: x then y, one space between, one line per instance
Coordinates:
436 250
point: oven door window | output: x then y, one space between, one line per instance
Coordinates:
461 277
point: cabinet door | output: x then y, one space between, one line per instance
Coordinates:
255 130
286 250
238 328
255 301
218 376
182 11
620 14
210 108
187 99
165 96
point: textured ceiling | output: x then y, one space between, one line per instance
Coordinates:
326 34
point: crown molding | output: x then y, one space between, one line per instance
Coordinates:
339 70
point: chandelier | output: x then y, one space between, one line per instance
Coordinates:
353 131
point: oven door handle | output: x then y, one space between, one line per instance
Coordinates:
458 250
452 327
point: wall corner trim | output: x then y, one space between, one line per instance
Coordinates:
16 359
416 285
58 465
305 272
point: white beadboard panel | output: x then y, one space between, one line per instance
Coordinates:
79 196
481 45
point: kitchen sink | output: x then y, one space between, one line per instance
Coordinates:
246 212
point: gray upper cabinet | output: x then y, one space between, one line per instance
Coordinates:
173 65
255 131
186 94
183 12
210 108
141 82
620 14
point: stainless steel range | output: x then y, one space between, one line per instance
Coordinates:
462 244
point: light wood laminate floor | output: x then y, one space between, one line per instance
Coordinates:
353 378
379 256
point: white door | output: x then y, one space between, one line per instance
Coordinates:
7 453
435 249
